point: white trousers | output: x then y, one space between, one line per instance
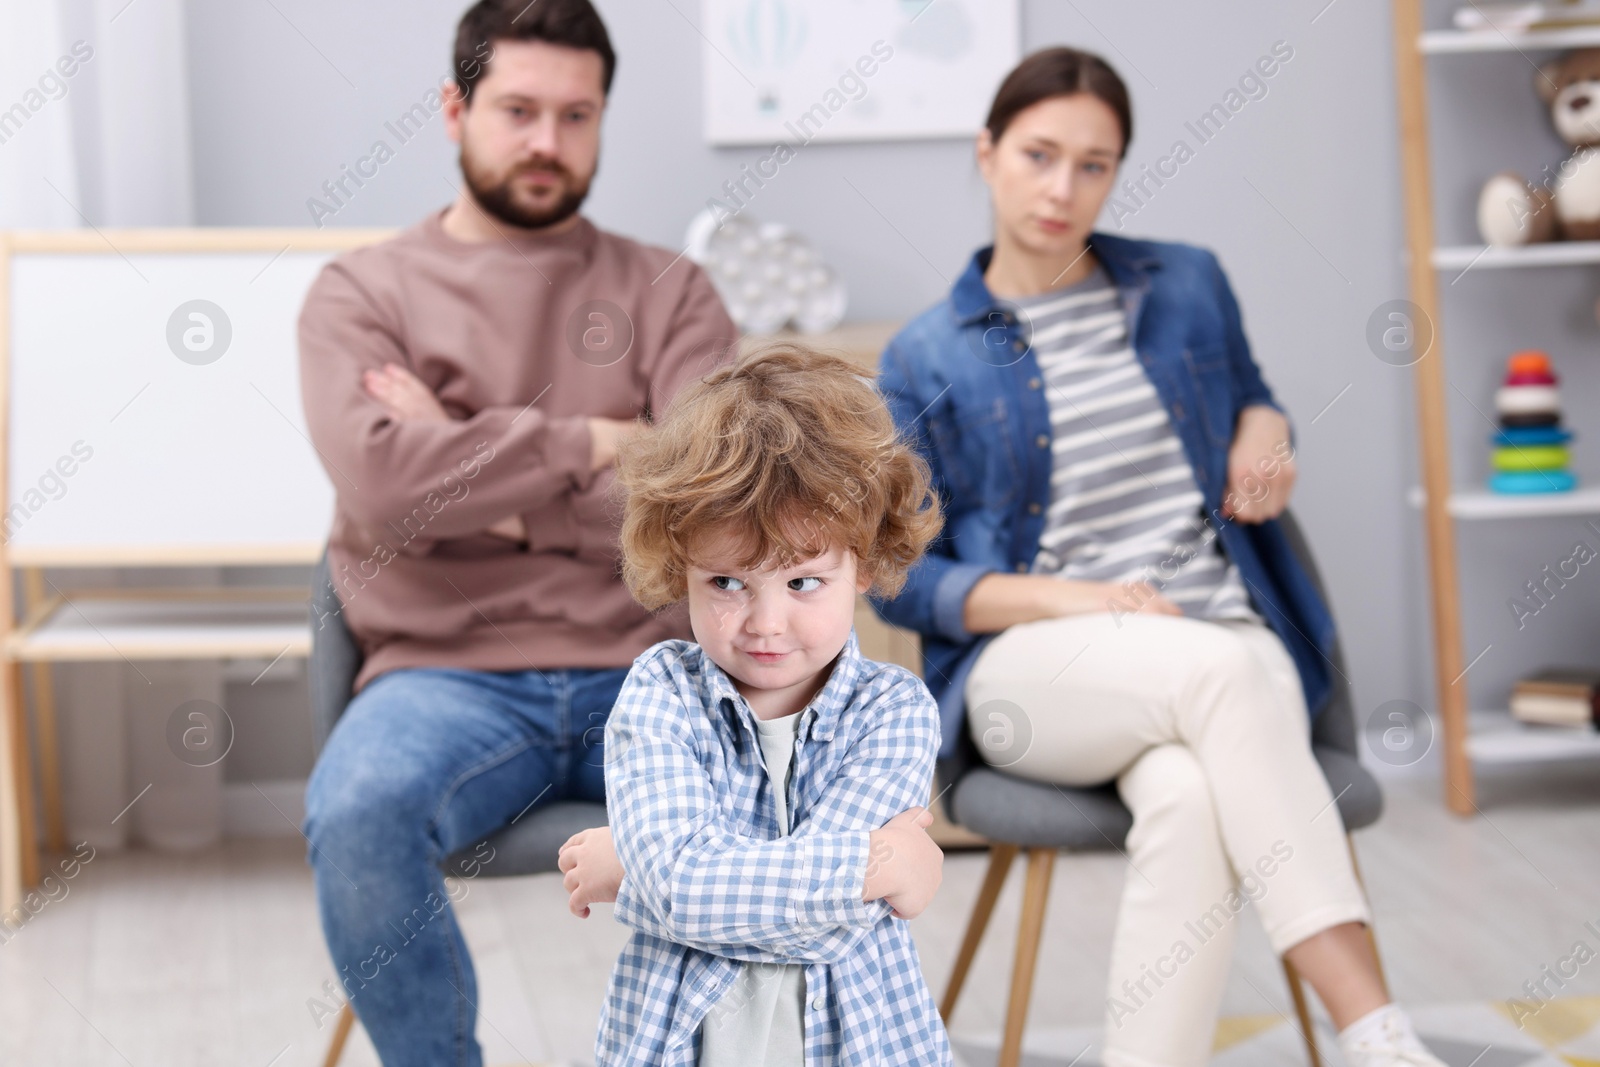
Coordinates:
1203 726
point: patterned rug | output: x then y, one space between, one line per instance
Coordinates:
1565 1032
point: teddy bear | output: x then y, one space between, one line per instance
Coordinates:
1564 205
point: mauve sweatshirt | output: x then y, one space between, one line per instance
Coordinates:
522 340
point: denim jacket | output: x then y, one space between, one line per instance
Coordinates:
965 387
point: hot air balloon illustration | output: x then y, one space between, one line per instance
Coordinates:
764 37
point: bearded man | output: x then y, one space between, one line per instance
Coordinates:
467 385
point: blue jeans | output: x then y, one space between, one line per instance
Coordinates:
423 763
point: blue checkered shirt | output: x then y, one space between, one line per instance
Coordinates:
712 886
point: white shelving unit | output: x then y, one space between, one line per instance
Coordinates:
1482 504
1470 736
1495 737
1483 257
1444 42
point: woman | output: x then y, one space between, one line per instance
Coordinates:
1112 464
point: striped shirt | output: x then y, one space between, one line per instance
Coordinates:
1124 503
713 887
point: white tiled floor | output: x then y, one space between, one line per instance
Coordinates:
217 958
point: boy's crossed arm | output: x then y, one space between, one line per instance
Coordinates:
862 852
905 869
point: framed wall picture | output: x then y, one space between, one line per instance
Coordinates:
796 71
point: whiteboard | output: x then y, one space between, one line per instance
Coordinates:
180 422
796 71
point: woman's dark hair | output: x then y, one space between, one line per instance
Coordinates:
1060 71
573 23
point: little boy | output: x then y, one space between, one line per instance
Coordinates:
765 783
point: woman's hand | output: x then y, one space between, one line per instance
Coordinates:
593 872
1118 598
1000 601
1261 467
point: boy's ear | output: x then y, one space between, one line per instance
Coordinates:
863 579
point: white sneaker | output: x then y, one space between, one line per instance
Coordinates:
1377 1056
1385 1038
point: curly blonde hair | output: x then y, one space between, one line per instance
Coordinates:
791 452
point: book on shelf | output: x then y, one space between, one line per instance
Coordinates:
1559 696
1526 17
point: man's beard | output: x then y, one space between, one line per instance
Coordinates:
499 200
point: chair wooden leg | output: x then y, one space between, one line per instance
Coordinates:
1035 895
1000 857
1302 1009
341 1034
1371 927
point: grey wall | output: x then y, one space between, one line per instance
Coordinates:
1298 194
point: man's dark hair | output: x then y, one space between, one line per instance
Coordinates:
572 23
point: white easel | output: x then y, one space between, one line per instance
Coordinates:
150 416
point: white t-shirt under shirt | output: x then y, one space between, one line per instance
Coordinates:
1124 503
759 1022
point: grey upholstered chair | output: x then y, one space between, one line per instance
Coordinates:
1016 815
527 846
